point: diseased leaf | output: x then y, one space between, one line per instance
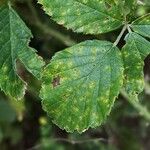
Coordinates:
81 83
142 25
134 53
88 16
126 6
130 4
14 39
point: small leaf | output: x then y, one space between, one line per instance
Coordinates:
81 83
14 39
88 16
131 4
126 6
134 52
142 25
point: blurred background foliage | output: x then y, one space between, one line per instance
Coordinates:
24 125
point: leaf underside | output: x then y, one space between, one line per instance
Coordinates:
81 83
134 52
14 39
89 17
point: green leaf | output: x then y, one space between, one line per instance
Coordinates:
81 84
14 39
130 4
88 16
134 53
142 25
126 6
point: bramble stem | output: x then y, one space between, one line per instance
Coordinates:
47 29
136 104
120 36
129 30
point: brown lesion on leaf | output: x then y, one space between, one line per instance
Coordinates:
56 81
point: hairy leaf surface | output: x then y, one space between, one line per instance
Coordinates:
142 25
134 53
90 16
81 83
14 39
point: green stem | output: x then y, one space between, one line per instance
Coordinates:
136 104
140 2
129 29
147 87
120 36
47 29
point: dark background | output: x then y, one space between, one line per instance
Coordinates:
24 125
